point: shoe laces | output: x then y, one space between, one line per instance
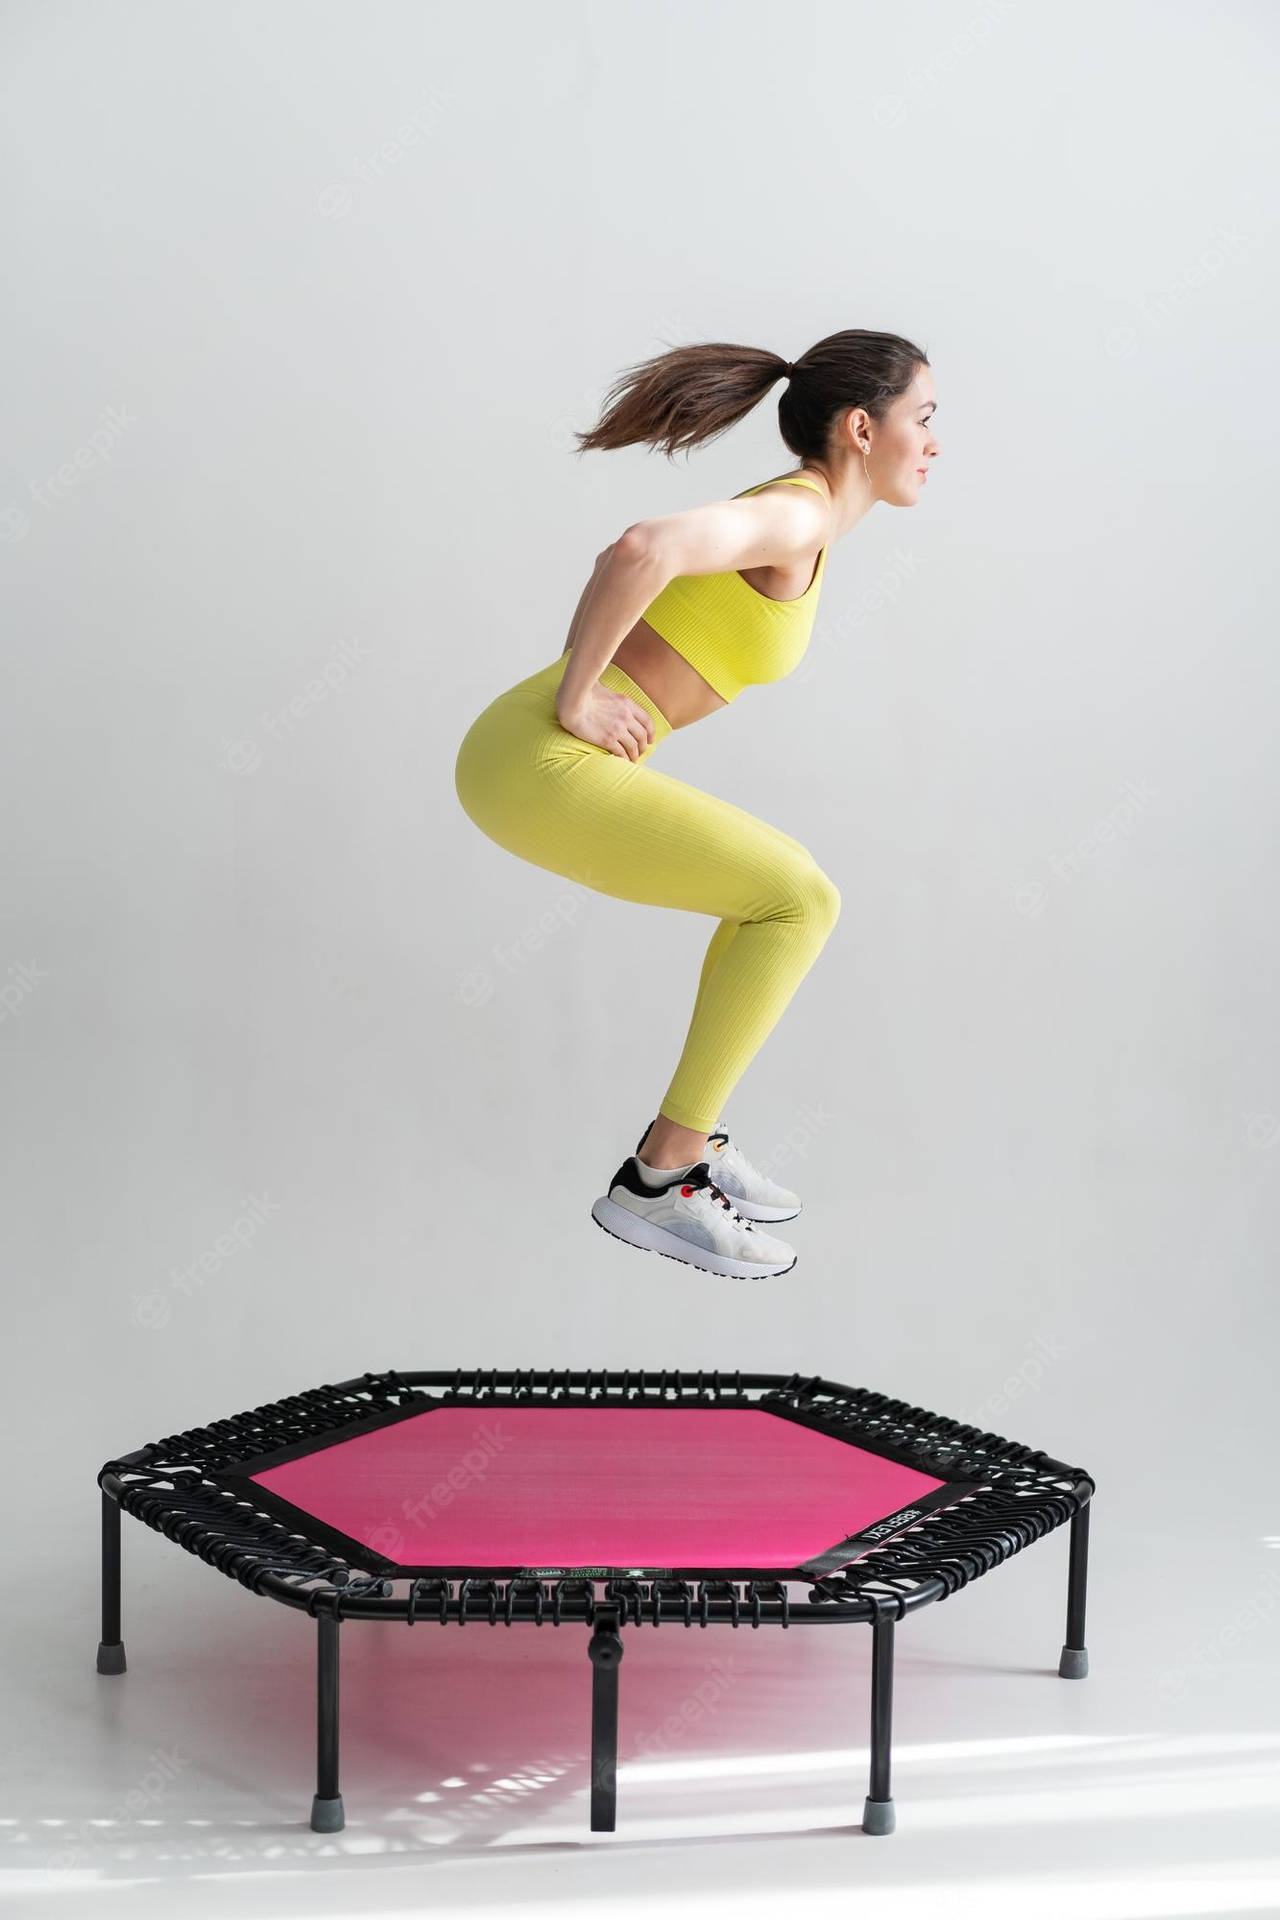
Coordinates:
748 1166
700 1176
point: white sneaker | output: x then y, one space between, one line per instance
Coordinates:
690 1219
754 1196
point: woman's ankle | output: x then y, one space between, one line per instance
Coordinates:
670 1145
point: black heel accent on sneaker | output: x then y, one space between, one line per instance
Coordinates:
698 1175
627 1177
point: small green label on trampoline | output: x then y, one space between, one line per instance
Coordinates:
588 1573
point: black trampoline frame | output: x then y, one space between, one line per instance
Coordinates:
195 1488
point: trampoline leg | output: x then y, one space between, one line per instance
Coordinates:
111 1646
326 1807
877 1812
1073 1663
606 1653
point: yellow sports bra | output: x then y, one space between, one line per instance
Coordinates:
730 633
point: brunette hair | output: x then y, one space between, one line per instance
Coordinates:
690 394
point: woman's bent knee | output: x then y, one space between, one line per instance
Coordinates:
808 894
826 899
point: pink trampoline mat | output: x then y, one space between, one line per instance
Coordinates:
632 1488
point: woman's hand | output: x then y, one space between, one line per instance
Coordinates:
609 719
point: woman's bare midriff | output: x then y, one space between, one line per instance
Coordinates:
678 690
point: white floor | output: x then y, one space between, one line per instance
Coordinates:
1150 1788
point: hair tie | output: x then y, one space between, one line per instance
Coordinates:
788 369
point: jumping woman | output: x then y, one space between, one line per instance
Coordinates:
681 613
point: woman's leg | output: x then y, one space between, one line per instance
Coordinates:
783 909
630 830
625 828
727 928
669 1144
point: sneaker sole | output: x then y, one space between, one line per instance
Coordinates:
637 1232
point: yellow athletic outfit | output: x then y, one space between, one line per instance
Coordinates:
625 828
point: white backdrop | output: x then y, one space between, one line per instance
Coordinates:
305 1076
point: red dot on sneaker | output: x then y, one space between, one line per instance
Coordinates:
686 1191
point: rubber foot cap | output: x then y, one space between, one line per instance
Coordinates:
1074 1663
111 1656
327 1815
877 1816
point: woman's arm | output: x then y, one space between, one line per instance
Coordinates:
761 530
771 529
584 597
628 576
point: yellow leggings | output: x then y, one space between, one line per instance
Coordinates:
622 827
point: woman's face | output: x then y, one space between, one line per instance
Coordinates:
903 444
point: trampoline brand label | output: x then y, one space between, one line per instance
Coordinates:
593 1573
542 1573
890 1525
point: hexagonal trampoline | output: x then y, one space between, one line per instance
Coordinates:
612 1499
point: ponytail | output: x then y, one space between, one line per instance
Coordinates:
689 395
